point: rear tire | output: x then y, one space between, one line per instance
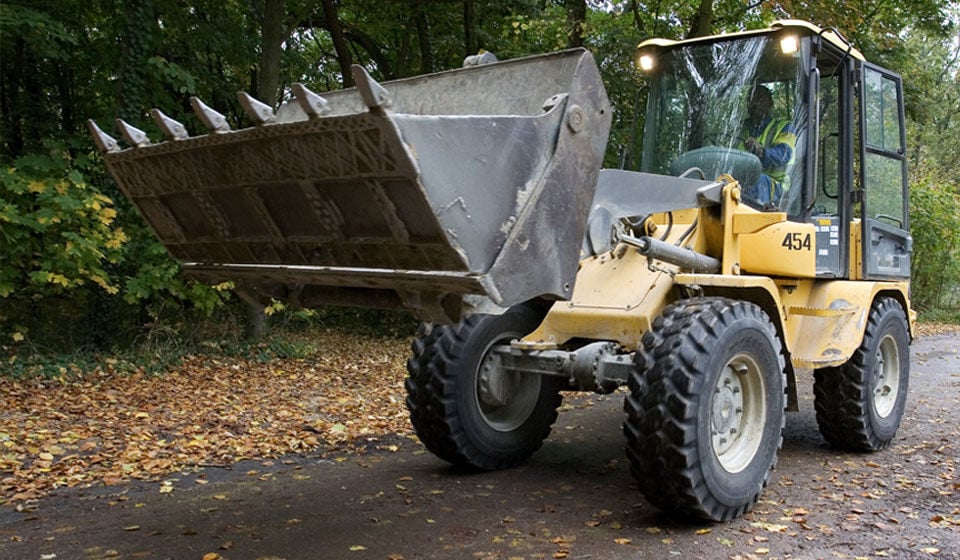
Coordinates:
705 413
860 403
464 407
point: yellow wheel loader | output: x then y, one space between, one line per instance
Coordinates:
746 250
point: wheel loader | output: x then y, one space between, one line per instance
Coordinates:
705 281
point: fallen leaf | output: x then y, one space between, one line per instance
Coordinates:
622 541
357 548
122 424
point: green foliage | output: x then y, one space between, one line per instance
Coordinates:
80 269
936 234
57 232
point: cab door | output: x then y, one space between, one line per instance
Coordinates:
887 244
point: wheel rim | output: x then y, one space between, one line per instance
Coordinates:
888 377
738 413
505 399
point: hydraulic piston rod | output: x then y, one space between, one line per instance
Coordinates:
684 258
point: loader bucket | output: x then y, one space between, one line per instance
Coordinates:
412 193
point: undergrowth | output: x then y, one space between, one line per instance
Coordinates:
160 344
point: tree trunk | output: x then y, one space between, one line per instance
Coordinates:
576 17
12 111
469 29
423 36
703 21
344 57
385 66
271 46
256 315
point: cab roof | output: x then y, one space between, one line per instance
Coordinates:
830 36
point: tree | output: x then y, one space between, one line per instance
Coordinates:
64 61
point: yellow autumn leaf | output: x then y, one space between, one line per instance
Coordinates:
116 240
54 278
36 187
622 541
357 548
17 337
107 215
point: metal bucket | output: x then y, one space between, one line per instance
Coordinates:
413 193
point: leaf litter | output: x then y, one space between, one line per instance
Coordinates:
108 427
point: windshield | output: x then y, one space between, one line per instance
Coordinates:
734 107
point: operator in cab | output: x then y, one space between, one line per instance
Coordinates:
774 142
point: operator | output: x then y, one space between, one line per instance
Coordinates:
773 141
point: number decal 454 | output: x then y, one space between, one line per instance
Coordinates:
796 242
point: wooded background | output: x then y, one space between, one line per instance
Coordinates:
79 268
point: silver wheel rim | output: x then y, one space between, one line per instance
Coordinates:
505 399
888 377
738 413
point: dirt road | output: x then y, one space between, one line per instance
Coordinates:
574 500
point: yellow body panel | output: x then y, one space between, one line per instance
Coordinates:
783 249
856 251
765 259
615 298
822 321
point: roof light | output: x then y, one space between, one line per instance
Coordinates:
646 62
789 44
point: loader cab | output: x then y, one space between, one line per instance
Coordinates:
835 124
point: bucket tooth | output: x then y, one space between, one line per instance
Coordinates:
172 129
258 111
374 95
133 135
105 143
210 118
311 103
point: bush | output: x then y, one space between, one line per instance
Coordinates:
935 227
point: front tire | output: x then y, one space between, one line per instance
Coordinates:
860 404
464 407
705 413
